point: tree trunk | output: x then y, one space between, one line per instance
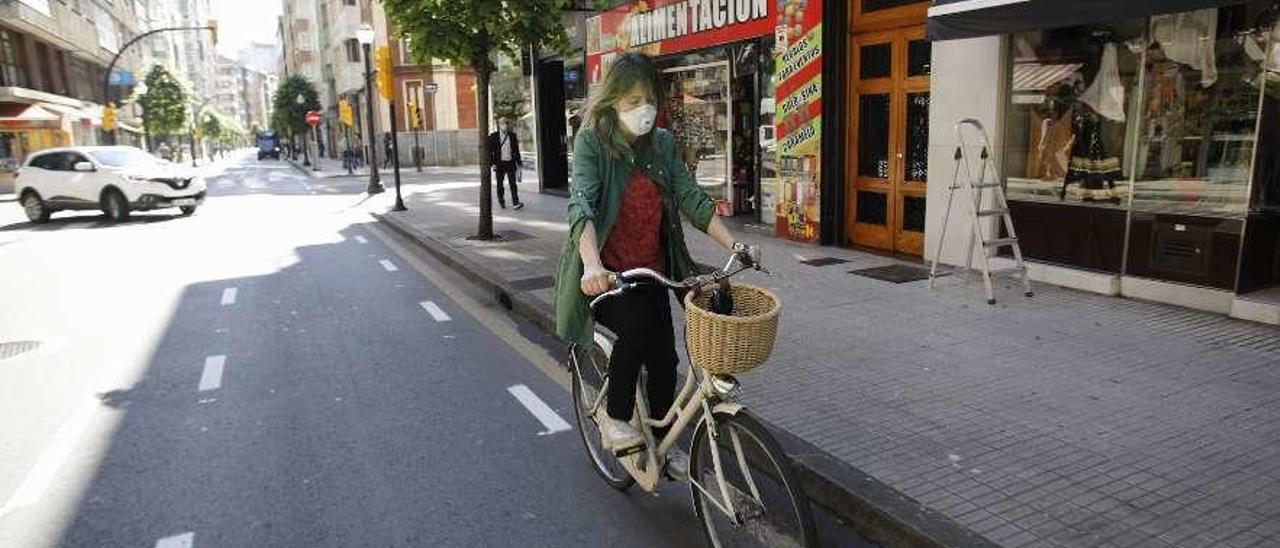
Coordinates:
485 230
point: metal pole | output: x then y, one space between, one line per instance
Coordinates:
375 184
315 131
395 155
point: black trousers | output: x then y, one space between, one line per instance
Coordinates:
641 318
509 169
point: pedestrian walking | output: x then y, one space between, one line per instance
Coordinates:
504 156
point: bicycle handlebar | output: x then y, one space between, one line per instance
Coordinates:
630 279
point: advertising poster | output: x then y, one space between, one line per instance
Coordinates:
798 75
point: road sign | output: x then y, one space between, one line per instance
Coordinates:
430 87
313 118
121 77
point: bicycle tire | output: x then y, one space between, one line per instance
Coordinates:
604 462
782 483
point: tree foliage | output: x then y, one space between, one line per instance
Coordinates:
510 98
289 117
468 34
219 128
165 102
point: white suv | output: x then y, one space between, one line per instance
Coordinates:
114 179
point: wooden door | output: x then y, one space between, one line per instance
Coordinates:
889 139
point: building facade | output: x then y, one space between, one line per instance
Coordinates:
1138 141
53 59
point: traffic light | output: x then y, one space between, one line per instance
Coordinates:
386 80
213 28
109 117
345 113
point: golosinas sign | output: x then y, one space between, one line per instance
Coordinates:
661 27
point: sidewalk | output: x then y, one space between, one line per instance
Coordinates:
1067 419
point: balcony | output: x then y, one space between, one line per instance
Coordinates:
67 29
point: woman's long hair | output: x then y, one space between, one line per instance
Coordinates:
627 71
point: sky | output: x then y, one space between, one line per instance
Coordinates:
243 21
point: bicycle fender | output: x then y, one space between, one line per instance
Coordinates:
605 343
729 408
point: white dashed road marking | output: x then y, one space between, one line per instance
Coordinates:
540 410
361 239
229 296
435 311
211 378
50 461
387 265
185 540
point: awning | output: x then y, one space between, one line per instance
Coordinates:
951 19
25 113
1038 77
76 115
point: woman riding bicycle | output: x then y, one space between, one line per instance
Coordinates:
629 188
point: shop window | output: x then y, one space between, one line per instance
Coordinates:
873 208
1072 92
873 136
875 61
1199 112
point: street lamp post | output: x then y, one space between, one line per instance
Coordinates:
306 145
365 36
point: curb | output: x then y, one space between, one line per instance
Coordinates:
879 512
304 170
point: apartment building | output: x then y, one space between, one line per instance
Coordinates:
200 57
53 60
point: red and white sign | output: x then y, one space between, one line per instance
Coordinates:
661 27
313 118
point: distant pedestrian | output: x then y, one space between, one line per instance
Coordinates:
504 156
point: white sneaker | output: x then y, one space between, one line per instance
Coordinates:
616 434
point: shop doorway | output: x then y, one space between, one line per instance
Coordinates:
553 140
889 121
700 116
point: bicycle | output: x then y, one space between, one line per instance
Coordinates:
760 496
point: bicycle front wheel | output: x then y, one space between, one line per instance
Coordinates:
588 369
744 489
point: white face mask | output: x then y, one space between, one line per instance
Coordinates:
638 121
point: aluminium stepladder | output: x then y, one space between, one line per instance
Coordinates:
988 179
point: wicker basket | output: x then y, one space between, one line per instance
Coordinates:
732 344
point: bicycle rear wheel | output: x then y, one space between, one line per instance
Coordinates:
763 491
589 369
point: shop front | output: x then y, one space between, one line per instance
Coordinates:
744 88
1140 141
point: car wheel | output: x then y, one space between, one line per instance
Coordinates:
115 206
187 210
37 211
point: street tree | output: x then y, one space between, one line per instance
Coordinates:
290 117
164 104
469 34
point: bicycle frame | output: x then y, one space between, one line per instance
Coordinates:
701 392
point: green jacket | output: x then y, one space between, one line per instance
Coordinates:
599 180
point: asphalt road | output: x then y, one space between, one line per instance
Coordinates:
277 370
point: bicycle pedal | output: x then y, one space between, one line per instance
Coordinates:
628 451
